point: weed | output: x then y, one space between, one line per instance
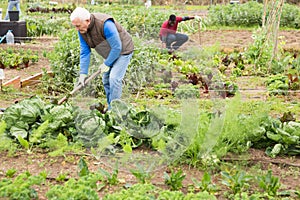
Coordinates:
174 180
83 168
61 177
142 175
269 183
237 181
205 184
10 172
111 178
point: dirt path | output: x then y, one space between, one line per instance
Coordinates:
239 39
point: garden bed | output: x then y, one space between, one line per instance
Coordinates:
59 164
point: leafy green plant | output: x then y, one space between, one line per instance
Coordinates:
259 53
285 136
21 187
85 187
24 143
249 15
136 191
83 168
186 91
6 144
59 146
19 118
17 58
142 69
277 85
36 24
269 183
149 191
111 178
10 173
90 127
142 175
205 184
64 61
237 182
174 180
61 177
236 121
297 192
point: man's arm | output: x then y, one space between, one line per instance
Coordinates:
85 54
112 36
189 18
164 33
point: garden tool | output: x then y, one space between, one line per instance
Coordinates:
2 38
1 78
79 86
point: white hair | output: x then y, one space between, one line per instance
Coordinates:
81 13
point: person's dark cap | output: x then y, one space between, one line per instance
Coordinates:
172 18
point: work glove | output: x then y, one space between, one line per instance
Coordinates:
103 68
198 18
81 80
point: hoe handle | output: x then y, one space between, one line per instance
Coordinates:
78 87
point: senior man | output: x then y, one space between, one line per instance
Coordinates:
103 33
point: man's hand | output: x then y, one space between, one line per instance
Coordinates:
104 68
164 45
82 78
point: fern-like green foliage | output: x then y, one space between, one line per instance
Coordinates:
83 188
240 126
21 187
60 146
37 134
149 191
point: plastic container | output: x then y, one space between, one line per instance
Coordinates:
2 74
13 15
10 38
0 13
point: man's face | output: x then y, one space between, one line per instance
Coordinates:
171 23
81 25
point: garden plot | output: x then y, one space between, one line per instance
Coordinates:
157 142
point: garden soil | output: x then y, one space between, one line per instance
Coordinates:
287 168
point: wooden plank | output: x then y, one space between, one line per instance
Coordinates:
15 82
32 80
35 79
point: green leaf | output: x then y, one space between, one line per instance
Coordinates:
127 148
37 134
2 127
83 168
23 142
